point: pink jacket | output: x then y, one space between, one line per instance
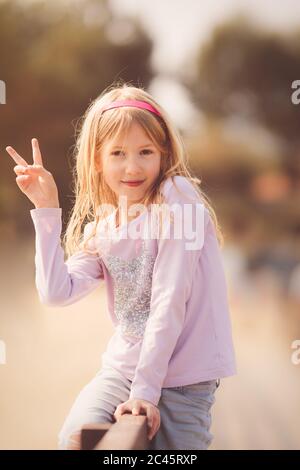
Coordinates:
168 303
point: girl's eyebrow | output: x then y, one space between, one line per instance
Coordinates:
142 146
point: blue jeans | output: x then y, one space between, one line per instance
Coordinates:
185 411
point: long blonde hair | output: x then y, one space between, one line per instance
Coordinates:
94 131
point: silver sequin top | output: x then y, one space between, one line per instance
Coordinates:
132 290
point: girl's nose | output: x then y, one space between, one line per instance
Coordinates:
132 166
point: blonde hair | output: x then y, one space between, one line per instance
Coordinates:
95 130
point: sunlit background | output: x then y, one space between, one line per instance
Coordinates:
224 70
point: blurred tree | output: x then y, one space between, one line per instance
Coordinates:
54 61
249 73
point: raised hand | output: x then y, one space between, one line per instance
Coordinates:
34 180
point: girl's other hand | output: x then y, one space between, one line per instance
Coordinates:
139 406
34 180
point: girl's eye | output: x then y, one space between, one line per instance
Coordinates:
148 151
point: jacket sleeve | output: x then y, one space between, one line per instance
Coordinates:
61 283
171 287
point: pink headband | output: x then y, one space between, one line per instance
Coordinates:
133 103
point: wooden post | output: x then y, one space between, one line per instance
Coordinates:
129 433
92 433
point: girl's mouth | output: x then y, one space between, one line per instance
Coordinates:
133 183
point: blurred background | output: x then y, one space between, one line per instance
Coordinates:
225 71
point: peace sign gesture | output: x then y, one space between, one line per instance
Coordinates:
34 180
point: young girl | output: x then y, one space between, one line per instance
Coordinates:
166 292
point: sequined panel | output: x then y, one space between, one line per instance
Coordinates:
132 290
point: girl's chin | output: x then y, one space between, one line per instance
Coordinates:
130 200
132 194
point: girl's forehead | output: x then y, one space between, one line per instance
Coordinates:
134 131
133 139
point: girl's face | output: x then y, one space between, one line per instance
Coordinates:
139 160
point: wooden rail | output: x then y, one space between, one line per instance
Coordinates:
129 433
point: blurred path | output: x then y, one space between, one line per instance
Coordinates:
260 407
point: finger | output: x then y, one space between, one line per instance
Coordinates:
36 169
149 417
136 410
153 431
30 170
17 158
20 169
151 424
155 426
23 181
22 178
118 412
37 157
